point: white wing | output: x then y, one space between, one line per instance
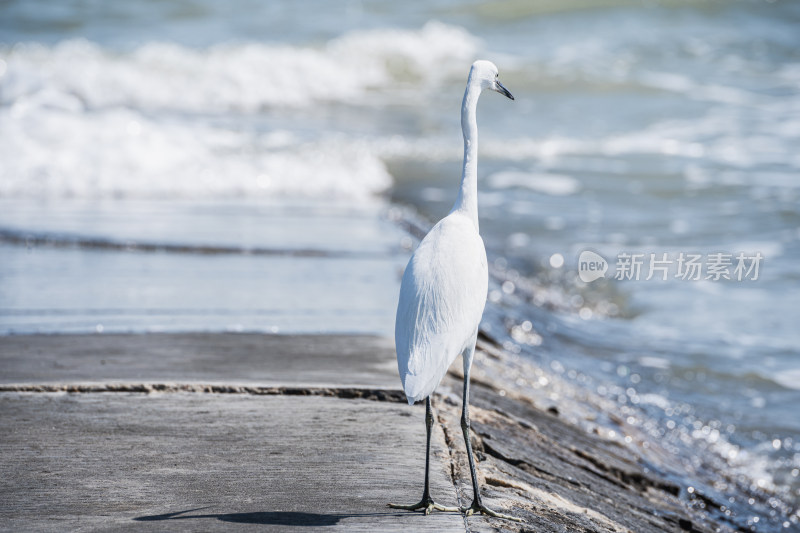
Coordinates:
442 297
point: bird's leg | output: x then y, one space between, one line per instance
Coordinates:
426 504
477 504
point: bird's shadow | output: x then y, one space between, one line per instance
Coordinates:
276 518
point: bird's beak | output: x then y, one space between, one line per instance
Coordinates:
502 90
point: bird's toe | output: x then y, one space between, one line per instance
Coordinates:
426 505
479 508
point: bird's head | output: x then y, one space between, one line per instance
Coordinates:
485 73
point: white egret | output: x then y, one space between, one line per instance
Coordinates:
443 294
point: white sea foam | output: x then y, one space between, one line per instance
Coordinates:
788 378
547 183
654 362
716 137
234 77
123 153
78 119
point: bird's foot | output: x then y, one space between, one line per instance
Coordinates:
427 505
479 508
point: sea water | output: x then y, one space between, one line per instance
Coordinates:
643 134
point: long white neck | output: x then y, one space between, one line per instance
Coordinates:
467 201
